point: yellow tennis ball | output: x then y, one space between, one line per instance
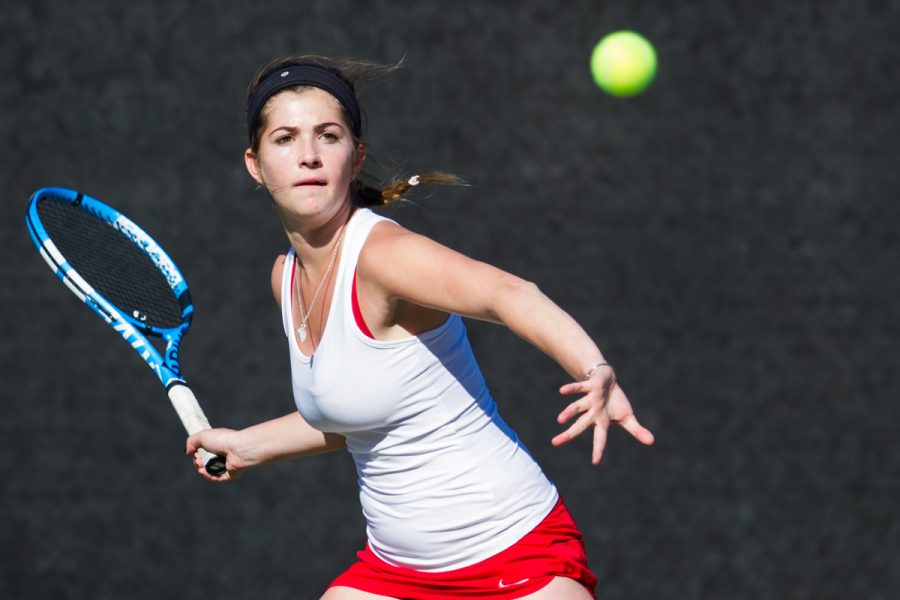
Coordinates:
623 63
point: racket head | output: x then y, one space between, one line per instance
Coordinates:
117 269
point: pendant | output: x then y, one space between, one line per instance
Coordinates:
301 331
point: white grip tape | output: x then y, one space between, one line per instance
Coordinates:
190 413
188 409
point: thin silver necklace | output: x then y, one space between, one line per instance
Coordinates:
304 319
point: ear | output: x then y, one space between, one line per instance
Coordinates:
359 160
252 164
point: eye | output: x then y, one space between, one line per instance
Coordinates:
330 136
283 139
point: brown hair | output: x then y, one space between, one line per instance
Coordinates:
366 189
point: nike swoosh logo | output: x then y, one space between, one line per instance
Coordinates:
502 585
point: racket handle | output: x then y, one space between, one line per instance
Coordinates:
194 421
215 465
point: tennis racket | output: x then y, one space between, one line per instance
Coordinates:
115 268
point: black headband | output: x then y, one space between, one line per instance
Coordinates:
303 74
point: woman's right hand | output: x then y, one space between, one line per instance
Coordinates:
221 442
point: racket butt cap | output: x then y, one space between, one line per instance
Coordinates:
216 466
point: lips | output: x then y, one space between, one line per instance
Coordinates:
310 182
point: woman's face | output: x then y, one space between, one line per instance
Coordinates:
306 156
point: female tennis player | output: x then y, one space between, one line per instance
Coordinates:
454 504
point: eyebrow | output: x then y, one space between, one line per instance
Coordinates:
318 127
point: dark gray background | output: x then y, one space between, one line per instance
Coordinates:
729 238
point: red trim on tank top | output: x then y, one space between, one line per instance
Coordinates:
357 313
293 273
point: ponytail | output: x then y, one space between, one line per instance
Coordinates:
368 195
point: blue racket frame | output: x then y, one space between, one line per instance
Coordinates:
166 366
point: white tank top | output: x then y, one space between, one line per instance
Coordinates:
444 481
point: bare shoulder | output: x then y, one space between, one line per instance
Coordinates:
392 250
386 232
389 243
382 245
390 272
403 265
277 271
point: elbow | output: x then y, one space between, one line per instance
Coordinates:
515 293
522 287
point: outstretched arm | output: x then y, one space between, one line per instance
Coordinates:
407 267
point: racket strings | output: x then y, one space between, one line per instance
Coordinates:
111 263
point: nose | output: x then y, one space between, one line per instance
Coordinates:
309 155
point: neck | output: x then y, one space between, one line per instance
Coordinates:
313 243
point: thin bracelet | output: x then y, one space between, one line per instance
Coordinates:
597 366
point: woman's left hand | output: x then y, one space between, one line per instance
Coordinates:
603 403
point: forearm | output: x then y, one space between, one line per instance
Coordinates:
282 438
531 315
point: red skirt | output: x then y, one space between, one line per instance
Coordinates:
555 548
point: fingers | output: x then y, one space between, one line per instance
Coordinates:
579 427
602 380
583 404
196 441
638 431
594 399
598 409
192 446
571 410
599 444
201 469
576 387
